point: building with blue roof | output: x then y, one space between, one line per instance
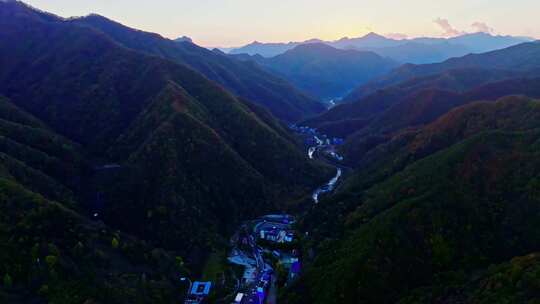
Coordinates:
201 289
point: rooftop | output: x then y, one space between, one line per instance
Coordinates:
201 288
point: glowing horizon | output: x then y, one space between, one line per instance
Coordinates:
233 23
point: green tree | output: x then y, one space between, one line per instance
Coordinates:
51 261
115 243
179 262
8 281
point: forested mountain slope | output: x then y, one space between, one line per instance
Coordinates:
187 159
47 246
445 203
242 78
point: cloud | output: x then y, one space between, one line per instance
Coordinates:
397 36
449 30
483 27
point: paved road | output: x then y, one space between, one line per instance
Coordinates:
272 292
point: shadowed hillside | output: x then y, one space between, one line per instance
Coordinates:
242 78
340 119
170 158
416 224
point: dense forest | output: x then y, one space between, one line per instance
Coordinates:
129 160
121 170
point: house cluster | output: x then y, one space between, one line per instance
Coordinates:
315 138
330 141
276 228
276 234
303 129
258 293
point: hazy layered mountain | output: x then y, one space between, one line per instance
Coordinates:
369 41
324 71
416 50
524 57
242 78
264 49
484 42
435 213
420 53
156 153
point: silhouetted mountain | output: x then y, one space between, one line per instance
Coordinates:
369 41
242 78
191 161
428 218
523 57
264 49
324 71
416 50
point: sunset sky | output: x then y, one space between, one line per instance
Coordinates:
229 23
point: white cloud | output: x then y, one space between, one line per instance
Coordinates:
449 30
482 27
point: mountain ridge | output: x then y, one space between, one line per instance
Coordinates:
324 71
414 50
243 79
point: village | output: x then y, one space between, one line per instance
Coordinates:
267 250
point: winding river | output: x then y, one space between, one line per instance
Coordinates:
331 184
328 187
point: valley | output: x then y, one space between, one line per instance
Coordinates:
268 248
377 169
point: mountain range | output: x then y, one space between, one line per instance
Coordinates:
416 50
323 71
488 75
522 57
439 205
241 78
129 161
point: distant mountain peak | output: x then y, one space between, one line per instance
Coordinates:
373 35
314 40
184 39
